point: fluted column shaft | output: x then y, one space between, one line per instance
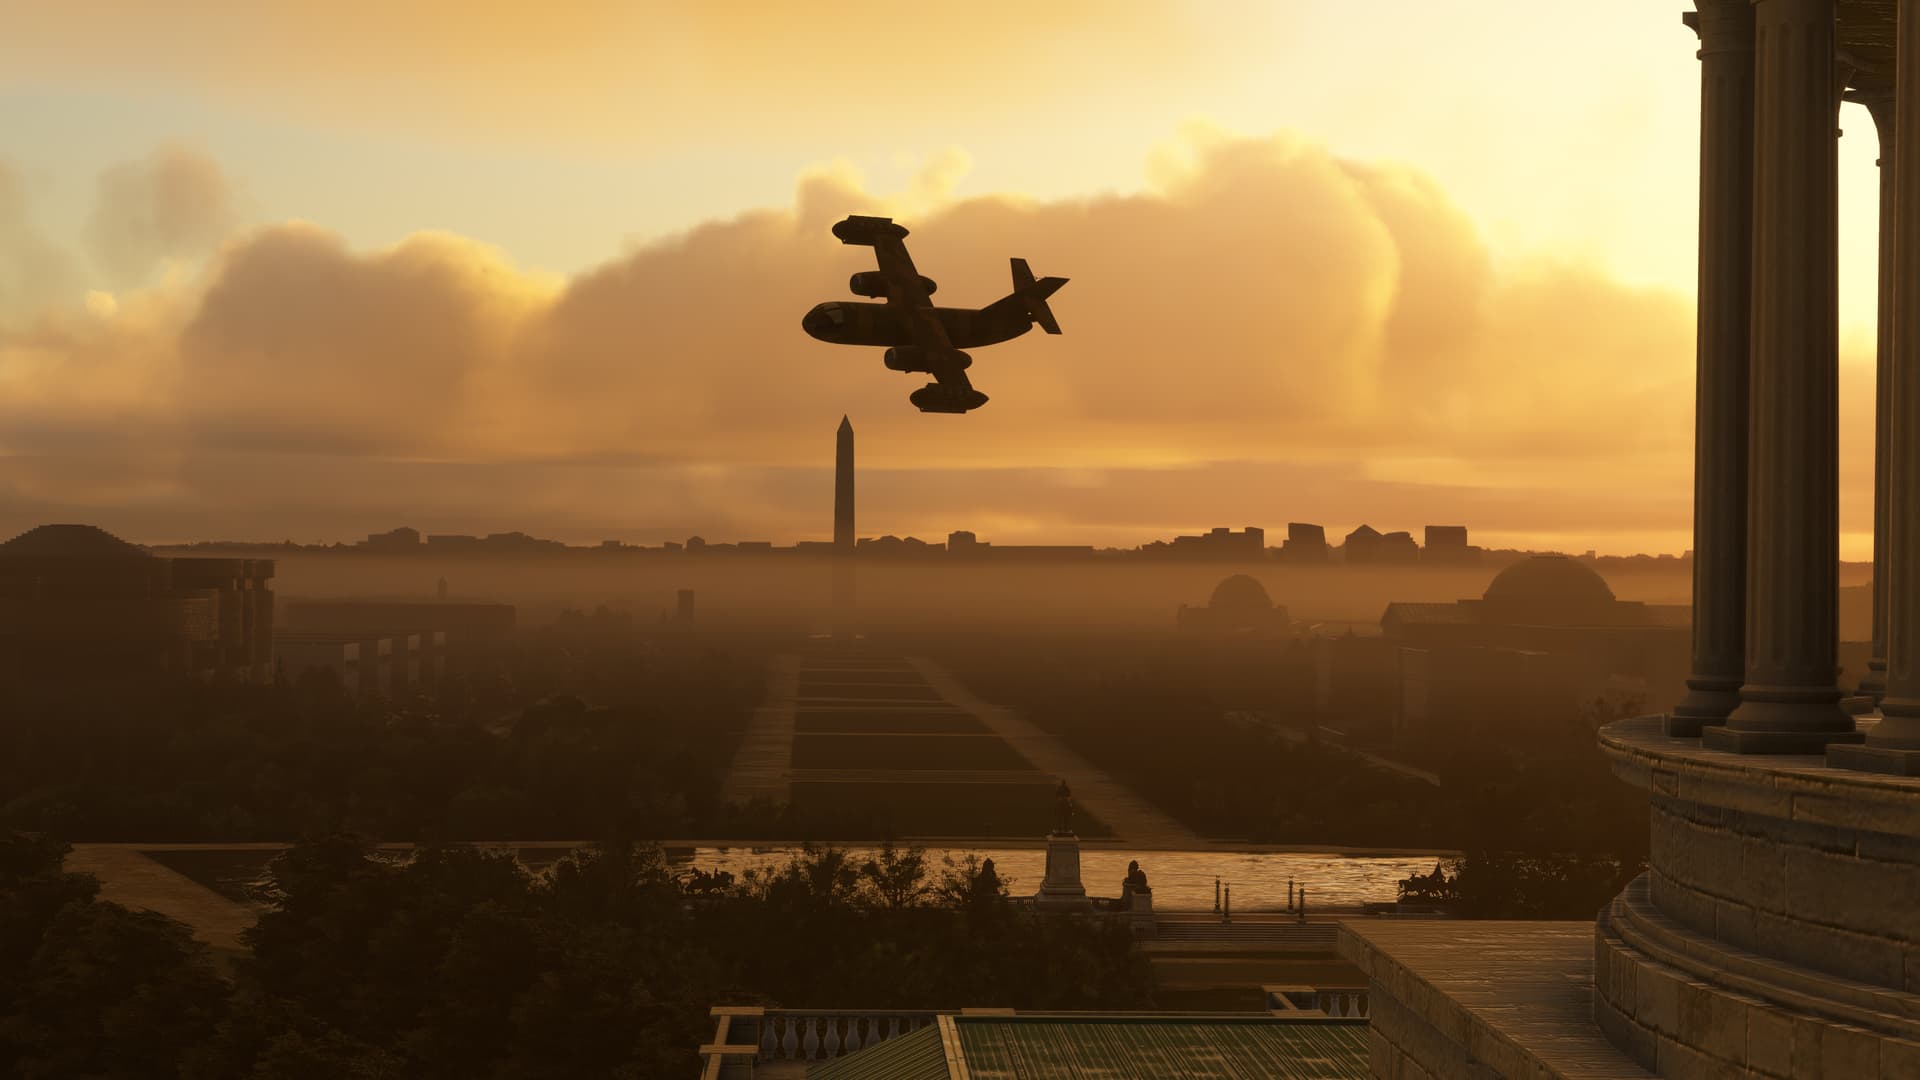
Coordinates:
1790 700
1894 745
1880 105
1721 356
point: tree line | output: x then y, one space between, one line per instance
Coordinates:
458 962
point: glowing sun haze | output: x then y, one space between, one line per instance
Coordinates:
305 270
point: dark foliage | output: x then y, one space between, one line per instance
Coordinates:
528 758
458 963
88 988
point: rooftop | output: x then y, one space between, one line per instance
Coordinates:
1112 1046
1518 995
70 542
1552 579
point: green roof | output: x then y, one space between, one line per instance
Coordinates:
916 1056
1117 1047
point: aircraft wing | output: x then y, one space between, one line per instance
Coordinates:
907 295
949 372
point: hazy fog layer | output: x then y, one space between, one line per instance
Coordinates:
792 593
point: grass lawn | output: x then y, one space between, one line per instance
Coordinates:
869 721
905 752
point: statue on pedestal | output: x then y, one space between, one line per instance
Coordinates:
1061 887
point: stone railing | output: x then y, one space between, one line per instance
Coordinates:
751 1034
1345 1002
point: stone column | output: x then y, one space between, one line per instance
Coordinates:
1790 701
1720 396
1894 744
1879 103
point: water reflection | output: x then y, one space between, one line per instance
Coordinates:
1181 880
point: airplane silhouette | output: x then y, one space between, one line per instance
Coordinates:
917 335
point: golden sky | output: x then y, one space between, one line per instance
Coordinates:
311 270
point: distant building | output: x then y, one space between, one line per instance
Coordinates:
1239 605
966 545
1551 603
1464 694
402 540
1448 544
366 665
1356 684
1548 630
1305 543
1550 613
78 602
1222 543
416 630
514 542
1037 551
1367 545
506 543
895 547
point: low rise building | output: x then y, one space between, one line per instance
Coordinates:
78 602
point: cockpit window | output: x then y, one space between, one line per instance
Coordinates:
836 315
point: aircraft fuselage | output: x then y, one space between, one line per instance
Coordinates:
851 322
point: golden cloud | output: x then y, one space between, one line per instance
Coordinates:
176 203
1263 303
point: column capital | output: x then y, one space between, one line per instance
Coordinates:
1723 25
1878 99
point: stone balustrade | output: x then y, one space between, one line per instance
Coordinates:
1344 1002
766 1035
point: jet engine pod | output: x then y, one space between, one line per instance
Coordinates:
860 229
936 398
914 358
874 283
906 358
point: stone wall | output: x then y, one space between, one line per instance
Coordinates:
1777 931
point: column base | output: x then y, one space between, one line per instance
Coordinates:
1740 741
1874 683
1887 760
1708 702
1784 720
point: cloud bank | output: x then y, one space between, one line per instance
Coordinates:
1264 315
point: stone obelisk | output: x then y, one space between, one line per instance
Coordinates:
843 534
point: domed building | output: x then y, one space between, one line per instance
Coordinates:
79 602
1239 605
1547 633
1540 602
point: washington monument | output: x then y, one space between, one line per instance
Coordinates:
843 534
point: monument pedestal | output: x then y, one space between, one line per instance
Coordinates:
1061 889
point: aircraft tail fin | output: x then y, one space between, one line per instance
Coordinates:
1032 295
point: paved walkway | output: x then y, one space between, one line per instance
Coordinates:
1515 995
763 764
130 879
1141 824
